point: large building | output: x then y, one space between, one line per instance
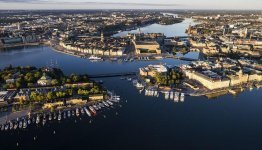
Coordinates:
152 70
147 47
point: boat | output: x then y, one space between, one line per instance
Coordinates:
166 95
29 121
2 128
33 120
64 115
98 106
95 58
6 127
20 124
106 104
129 79
37 119
15 125
171 95
50 117
59 116
102 105
110 103
87 112
114 59
139 85
77 112
68 114
55 116
155 93
25 124
176 97
73 113
94 106
11 125
182 97
92 110
82 111
44 119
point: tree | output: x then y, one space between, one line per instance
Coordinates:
50 95
18 84
54 82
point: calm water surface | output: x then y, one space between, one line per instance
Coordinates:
169 30
226 122
142 122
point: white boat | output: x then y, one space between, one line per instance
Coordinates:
59 116
95 107
146 92
92 110
55 116
106 104
95 58
87 112
11 125
176 97
37 120
166 95
3 128
44 120
171 95
182 97
110 103
6 126
77 112
29 121
68 113
25 124
82 111
15 125
50 117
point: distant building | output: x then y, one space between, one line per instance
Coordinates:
147 47
44 80
152 70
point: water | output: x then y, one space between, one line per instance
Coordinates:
226 122
41 56
169 30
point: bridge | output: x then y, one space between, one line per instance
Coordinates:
108 75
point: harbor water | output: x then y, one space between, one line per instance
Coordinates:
138 121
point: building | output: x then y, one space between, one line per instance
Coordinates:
147 47
152 70
44 80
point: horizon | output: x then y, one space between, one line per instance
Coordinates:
132 5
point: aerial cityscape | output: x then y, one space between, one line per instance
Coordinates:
130 74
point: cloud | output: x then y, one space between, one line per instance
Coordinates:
85 3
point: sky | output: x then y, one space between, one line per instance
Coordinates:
131 4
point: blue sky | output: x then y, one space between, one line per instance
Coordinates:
131 4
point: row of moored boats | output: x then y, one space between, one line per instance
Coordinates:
38 119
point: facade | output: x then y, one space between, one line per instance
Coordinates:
44 80
147 47
208 82
152 70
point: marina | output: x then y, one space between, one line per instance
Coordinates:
43 118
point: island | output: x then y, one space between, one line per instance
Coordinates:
29 90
